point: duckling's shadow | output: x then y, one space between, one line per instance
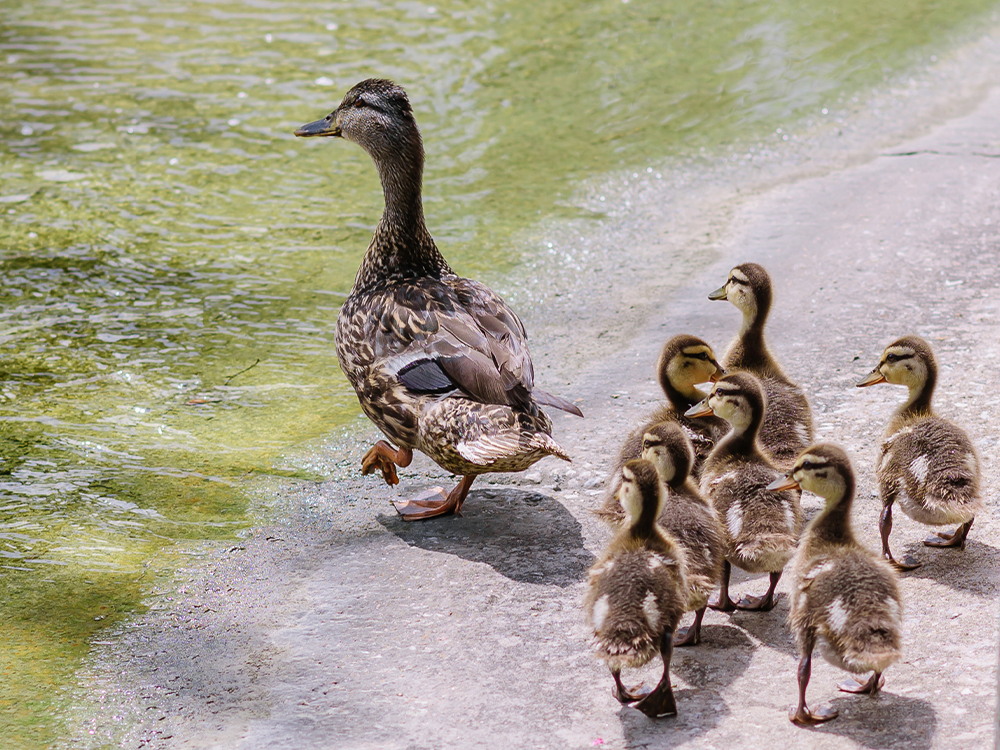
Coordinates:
885 721
525 536
972 569
721 657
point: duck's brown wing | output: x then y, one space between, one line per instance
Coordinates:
457 334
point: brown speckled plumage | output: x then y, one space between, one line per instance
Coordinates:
440 363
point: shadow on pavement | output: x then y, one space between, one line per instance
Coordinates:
973 570
525 536
885 721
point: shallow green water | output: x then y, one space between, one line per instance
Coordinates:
173 258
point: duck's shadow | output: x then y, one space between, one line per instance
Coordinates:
885 721
973 569
525 536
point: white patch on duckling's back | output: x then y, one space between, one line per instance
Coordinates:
885 461
723 478
652 611
803 433
837 615
894 609
600 612
918 468
790 518
655 562
734 520
971 464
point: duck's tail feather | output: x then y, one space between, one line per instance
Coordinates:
556 402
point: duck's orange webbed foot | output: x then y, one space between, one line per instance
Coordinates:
435 502
385 458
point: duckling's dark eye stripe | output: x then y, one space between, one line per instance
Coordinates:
897 357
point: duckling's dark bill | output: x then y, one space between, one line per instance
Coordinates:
324 127
720 293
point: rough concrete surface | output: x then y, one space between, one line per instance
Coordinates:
341 626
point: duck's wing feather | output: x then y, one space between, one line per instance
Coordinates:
456 333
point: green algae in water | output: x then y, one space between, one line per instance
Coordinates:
173 259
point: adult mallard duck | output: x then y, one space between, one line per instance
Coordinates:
788 425
927 463
685 361
637 591
761 527
440 363
843 597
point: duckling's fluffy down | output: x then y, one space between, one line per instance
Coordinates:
632 599
932 466
851 603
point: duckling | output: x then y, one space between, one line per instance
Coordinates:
637 591
688 518
440 363
685 361
761 527
788 424
928 463
844 596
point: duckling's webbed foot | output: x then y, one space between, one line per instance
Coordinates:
691 636
626 695
801 714
761 603
385 458
957 539
661 701
435 502
805 717
722 602
885 529
871 686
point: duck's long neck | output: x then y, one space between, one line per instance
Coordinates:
833 525
401 247
920 395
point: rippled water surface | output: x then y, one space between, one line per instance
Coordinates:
173 259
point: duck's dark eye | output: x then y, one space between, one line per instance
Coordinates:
807 465
646 444
892 358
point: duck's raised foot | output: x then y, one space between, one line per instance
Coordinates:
872 686
756 603
385 458
806 718
658 703
940 539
